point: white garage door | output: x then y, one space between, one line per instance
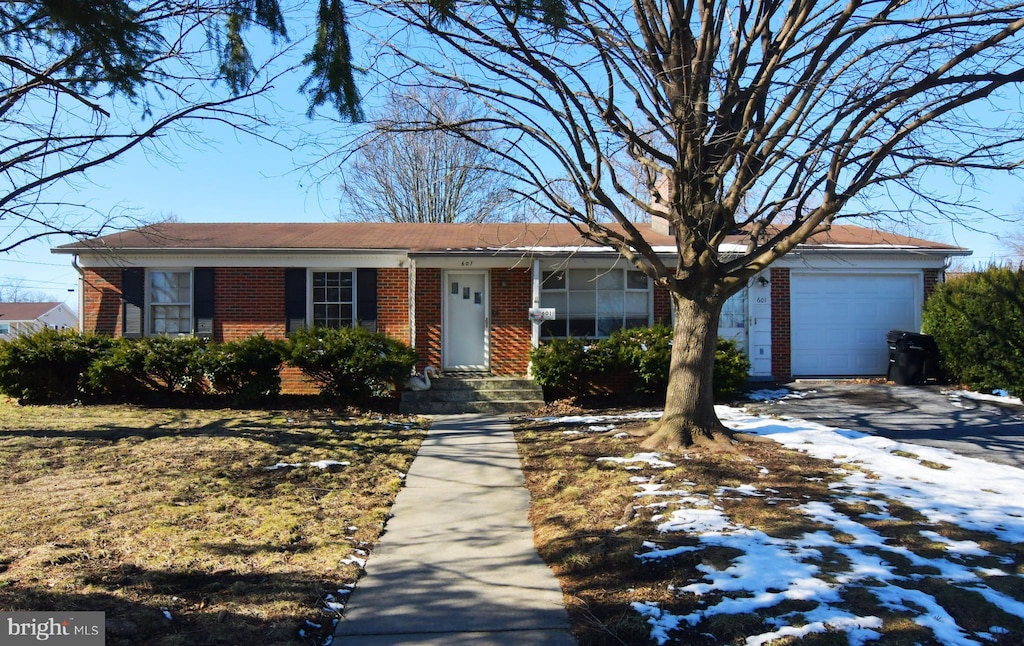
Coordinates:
839 321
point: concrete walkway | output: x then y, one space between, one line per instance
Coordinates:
456 564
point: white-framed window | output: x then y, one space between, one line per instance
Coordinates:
333 298
593 303
5 328
169 295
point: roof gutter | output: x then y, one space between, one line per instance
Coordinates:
862 249
141 251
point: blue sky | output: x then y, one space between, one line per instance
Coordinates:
249 181
228 179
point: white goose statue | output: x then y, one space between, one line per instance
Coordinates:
421 381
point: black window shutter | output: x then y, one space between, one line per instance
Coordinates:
133 297
294 299
366 298
202 300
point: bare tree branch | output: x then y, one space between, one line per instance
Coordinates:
424 160
774 118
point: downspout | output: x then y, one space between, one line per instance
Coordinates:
81 293
412 303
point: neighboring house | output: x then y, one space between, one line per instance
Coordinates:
474 297
26 318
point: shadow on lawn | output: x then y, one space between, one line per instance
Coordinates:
206 609
306 428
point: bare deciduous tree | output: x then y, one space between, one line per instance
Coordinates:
768 116
14 290
420 163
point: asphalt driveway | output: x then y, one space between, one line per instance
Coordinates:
929 415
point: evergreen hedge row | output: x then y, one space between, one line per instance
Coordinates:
350 365
637 358
978 324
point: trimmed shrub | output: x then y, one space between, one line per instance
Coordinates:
978 324
176 363
644 354
569 365
48 365
249 370
119 371
350 364
561 364
732 368
160 364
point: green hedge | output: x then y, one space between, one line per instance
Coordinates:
978 324
248 370
351 365
164 365
638 359
49 365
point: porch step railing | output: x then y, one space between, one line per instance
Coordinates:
455 393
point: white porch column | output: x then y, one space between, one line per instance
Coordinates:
535 302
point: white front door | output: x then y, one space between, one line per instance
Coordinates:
759 326
747 318
466 321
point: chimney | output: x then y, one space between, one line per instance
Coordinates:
661 225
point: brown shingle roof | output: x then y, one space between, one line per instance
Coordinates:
366 236
342 236
846 234
24 311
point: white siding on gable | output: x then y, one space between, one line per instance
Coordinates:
839 320
58 317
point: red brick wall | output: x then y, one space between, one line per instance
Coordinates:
248 301
293 382
782 367
428 317
393 303
511 330
662 306
101 301
932 277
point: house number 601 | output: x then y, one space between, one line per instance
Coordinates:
467 263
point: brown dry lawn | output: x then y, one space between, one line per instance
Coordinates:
591 523
170 521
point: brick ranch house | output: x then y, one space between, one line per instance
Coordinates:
463 294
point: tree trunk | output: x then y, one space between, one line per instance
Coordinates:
689 402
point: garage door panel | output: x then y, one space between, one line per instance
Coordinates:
839 321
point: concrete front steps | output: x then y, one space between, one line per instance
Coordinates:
474 393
